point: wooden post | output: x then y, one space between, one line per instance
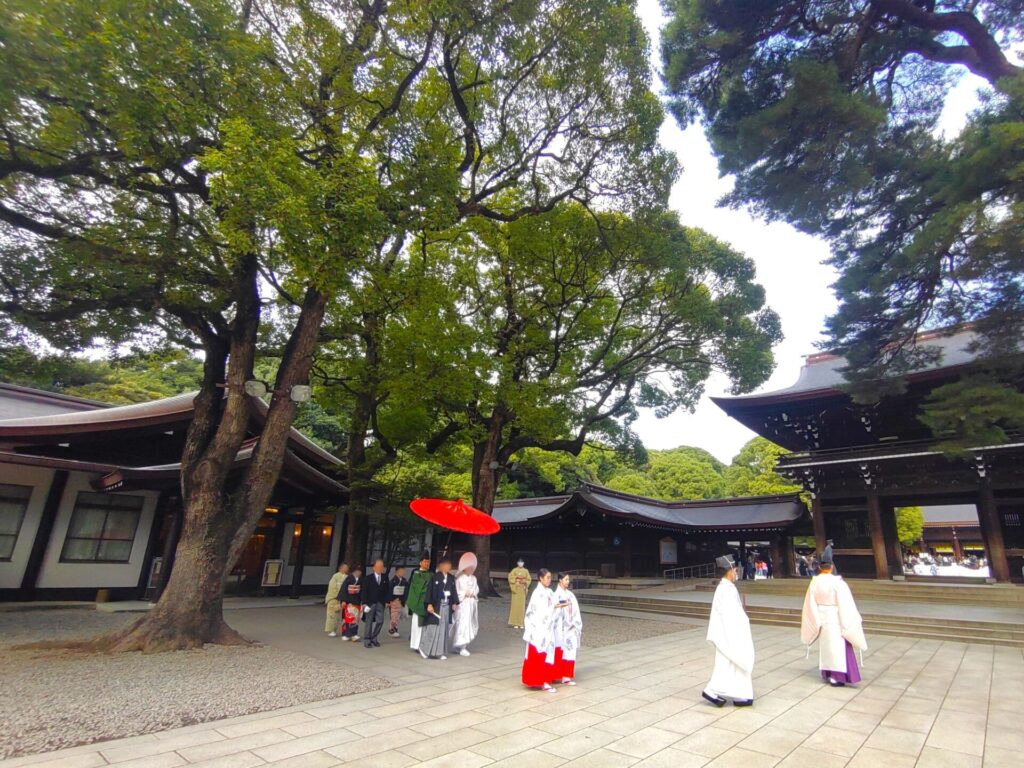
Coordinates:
344 538
818 518
300 560
163 503
46 521
992 532
893 548
877 536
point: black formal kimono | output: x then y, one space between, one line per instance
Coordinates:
441 596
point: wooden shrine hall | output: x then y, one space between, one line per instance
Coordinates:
617 534
861 462
90 501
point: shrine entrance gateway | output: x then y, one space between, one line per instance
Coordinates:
862 462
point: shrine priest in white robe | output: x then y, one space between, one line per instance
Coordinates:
729 632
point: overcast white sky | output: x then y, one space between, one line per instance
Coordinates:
789 265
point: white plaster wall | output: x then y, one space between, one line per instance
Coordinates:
39 478
312 574
57 574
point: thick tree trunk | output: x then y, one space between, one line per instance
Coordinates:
485 489
218 522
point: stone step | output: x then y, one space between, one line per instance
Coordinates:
995 596
957 630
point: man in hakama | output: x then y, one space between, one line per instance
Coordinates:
729 632
467 622
416 600
442 598
830 616
519 583
539 664
568 631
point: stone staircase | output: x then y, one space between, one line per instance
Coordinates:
950 629
992 595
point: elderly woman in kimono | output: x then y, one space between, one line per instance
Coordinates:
467 622
729 632
539 664
568 631
830 616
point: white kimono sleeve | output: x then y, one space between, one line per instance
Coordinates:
849 617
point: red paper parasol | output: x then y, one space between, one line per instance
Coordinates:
455 516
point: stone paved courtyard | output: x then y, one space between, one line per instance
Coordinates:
922 703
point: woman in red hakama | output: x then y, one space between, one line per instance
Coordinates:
539 669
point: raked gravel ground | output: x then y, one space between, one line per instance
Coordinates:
55 699
52 699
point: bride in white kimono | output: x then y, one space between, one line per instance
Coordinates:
467 620
568 631
729 632
830 616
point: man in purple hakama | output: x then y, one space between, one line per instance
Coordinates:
830 616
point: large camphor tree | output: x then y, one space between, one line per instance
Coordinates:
183 169
828 116
576 318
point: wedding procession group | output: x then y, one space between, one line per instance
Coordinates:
442 605
829 616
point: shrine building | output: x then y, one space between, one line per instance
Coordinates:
862 462
90 501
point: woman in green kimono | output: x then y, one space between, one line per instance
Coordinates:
417 600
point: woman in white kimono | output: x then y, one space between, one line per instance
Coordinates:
467 622
568 631
539 663
830 616
729 632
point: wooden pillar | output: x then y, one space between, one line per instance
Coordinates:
160 517
877 536
46 521
992 532
627 545
170 548
782 558
818 518
890 532
344 538
300 560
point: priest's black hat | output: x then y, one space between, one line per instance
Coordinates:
725 562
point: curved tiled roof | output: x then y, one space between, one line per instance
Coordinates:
168 410
821 374
740 513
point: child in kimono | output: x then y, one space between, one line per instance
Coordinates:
351 610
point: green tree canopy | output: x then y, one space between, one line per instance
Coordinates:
827 115
197 169
752 471
909 525
133 378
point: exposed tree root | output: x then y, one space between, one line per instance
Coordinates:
145 637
